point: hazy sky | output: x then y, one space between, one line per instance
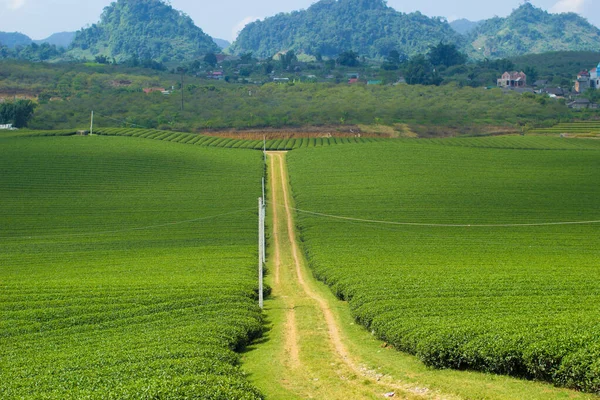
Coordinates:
224 18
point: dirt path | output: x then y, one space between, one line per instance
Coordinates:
314 350
344 373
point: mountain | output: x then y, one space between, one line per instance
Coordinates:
14 39
222 43
146 29
532 30
61 39
464 26
330 27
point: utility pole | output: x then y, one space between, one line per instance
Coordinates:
182 71
92 124
261 251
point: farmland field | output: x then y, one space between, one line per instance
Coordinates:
127 268
490 293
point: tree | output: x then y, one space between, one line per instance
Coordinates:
17 113
420 71
102 60
348 59
446 54
211 59
287 59
532 74
394 57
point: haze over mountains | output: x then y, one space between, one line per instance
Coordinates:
152 29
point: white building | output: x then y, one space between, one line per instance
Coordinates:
594 78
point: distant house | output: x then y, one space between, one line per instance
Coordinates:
374 82
540 83
217 75
5 127
583 81
155 89
554 92
281 80
513 79
352 81
582 103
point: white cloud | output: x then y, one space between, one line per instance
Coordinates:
563 6
14 4
238 28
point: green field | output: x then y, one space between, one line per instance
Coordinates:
571 128
127 268
518 300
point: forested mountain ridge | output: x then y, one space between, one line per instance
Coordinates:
464 26
144 29
531 30
14 39
330 27
60 39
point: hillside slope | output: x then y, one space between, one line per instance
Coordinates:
330 27
532 30
60 39
14 39
147 29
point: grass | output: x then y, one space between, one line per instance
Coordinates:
507 300
127 269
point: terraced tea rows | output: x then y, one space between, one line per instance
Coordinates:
127 269
575 128
511 142
484 294
213 141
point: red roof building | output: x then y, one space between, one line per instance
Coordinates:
513 79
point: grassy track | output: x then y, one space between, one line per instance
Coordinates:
509 300
126 269
313 348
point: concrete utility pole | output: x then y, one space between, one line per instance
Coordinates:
182 72
92 124
261 251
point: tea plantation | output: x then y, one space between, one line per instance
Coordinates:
127 269
457 253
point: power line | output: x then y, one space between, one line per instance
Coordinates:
132 229
434 225
122 121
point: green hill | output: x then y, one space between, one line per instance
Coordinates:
60 39
464 26
14 39
147 29
532 30
330 27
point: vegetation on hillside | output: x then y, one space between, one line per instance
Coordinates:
14 39
329 27
144 29
31 52
532 30
17 113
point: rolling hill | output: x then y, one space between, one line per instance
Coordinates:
330 27
532 30
146 29
14 39
464 26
